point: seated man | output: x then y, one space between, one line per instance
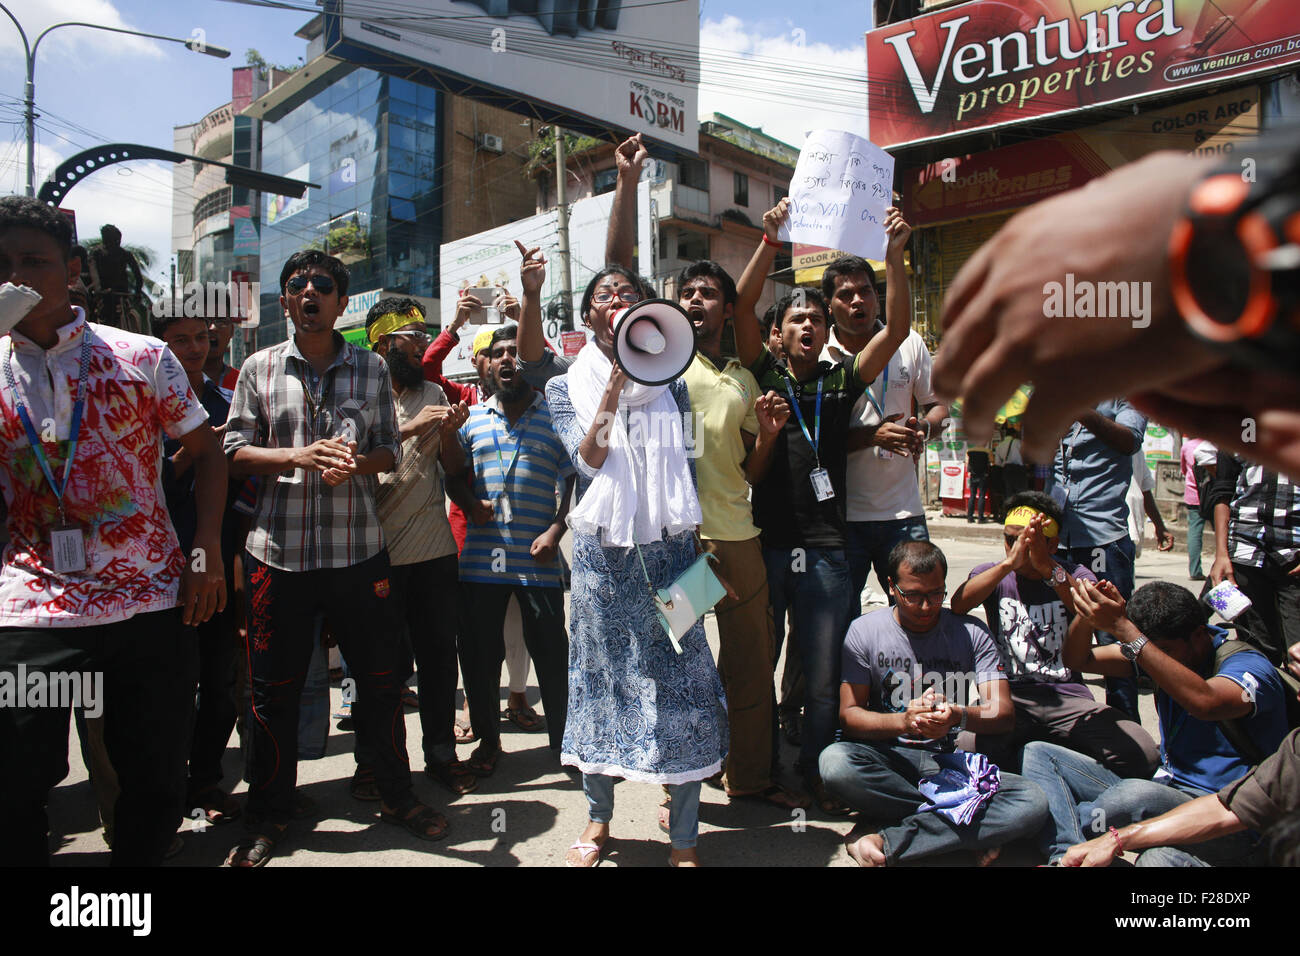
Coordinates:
1029 607
898 731
1258 801
1208 695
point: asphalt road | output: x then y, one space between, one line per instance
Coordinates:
530 810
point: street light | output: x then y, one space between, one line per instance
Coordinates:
29 97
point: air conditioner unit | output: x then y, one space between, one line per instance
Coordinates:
490 143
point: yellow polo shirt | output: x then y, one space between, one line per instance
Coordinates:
722 405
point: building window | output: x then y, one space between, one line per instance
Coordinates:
694 173
604 181
214 202
692 245
741 194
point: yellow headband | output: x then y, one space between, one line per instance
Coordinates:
1019 518
390 322
483 340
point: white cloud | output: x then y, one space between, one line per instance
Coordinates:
80 42
136 197
766 75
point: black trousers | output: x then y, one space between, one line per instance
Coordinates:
427 595
357 601
146 669
214 716
483 649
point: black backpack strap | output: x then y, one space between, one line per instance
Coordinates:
1235 729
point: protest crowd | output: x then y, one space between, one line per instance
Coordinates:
201 535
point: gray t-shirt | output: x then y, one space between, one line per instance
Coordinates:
899 665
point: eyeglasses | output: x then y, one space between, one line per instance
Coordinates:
417 337
627 296
918 598
297 285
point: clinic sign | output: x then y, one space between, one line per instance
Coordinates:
988 64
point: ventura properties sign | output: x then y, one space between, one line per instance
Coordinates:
991 63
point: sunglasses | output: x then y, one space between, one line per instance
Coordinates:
297 285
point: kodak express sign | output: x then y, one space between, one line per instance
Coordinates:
988 63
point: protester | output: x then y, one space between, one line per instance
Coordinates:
514 462
1210 726
214 717
637 709
1007 456
883 506
92 571
1257 546
421 548
315 417
1258 801
800 485
909 672
1091 474
221 329
729 421
1192 507
1142 507
1029 606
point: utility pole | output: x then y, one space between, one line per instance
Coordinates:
194 43
562 226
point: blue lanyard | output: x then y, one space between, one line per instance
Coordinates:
519 443
816 437
74 431
884 389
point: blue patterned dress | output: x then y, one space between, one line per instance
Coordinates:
637 709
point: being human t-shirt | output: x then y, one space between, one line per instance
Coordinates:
1029 622
956 656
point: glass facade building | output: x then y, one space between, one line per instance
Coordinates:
373 144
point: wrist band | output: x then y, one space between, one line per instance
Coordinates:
769 242
1115 833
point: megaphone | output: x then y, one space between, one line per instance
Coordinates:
654 341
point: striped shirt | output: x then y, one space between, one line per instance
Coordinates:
498 552
301 523
1265 522
411 505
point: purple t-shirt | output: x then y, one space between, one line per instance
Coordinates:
1029 621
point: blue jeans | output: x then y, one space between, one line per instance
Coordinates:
1085 799
881 781
1114 563
814 583
868 545
683 808
1195 535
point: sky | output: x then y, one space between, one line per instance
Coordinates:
758 65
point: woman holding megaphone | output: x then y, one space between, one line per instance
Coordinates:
645 703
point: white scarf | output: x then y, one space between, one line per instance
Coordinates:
621 506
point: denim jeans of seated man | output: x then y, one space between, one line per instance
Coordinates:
1114 563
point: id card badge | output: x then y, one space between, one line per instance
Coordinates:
821 482
68 547
503 508
884 453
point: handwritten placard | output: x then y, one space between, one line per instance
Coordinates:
840 190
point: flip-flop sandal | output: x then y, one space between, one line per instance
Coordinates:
463 732
525 718
254 853
588 854
453 775
218 806
665 815
481 764
416 820
364 786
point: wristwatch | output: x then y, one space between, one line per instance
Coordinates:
1059 576
1132 649
1234 257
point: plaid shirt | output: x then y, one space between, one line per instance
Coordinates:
1265 518
301 523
